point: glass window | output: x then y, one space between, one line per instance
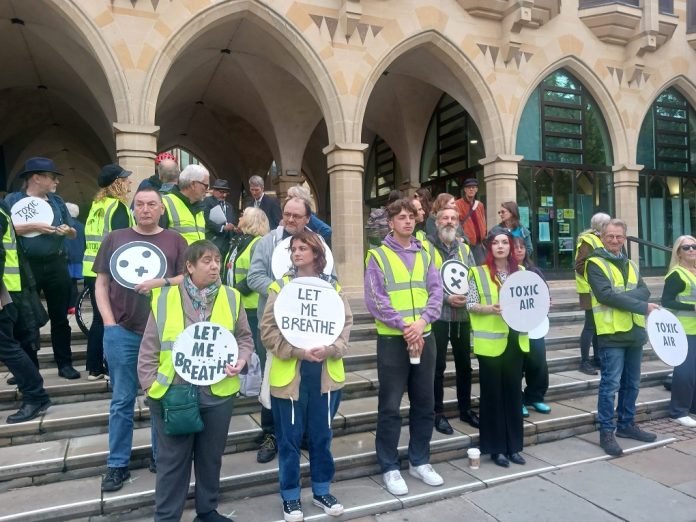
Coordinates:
381 173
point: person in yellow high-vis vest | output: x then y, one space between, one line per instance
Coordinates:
184 209
200 297
403 292
499 350
586 243
619 305
305 388
679 296
109 211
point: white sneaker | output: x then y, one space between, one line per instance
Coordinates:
395 483
427 474
686 421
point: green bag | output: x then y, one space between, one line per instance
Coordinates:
180 410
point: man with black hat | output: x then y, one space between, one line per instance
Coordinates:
43 248
472 217
218 231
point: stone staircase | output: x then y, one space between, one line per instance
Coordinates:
50 468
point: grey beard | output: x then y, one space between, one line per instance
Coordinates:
447 234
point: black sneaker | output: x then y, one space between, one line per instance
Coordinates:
267 450
212 516
329 504
292 511
588 368
634 432
113 480
609 444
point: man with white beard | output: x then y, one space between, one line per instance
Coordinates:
453 325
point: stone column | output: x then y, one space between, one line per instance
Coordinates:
345 166
626 200
136 149
500 175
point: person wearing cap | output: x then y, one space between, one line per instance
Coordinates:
216 231
46 255
472 217
167 173
109 211
184 204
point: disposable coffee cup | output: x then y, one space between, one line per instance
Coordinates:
474 455
413 359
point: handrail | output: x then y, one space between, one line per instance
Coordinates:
646 261
633 239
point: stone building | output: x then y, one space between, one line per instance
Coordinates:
566 107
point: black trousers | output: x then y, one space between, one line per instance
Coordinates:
95 338
536 372
683 399
29 379
457 333
26 330
500 411
589 336
53 279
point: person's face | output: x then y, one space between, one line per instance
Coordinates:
403 223
500 246
519 252
420 213
470 191
687 251
613 238
206 270
302 255
47 182
220 195
295 216
450 204
255 191
199 189
447 220
148 208
504 214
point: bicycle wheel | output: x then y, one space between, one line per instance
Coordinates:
83 310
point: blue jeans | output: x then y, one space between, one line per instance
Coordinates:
312 411
620 372
121 348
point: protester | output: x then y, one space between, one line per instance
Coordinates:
75 248
510 218
45 254
124 312
443 200
109 211
315 224
587 242
295 216
620 304
167 173
472 217
419 232
679 295
499 350
534 366
200 297
35 400
220 233
453 325
259 199
403 292
305 387
183 204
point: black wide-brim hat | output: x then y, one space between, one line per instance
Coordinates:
221 184
38 164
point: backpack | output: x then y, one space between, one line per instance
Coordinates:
250 384
377 226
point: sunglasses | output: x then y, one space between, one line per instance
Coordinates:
686 248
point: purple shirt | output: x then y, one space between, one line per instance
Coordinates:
377 299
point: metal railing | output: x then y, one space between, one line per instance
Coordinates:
646 261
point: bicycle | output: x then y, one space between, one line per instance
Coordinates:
83 310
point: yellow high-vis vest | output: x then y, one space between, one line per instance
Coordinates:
191 227
612 320
490 330
581 284
407 291
463 253
241 270
168 310
97 227
283 371
11 276
687 296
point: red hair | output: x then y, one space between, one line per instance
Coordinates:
490 260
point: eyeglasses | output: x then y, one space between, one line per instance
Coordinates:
686 248
204 184
295 217
614 237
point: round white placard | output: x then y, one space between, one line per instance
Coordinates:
309 312
540 331
667 337
201 352
281 261
31 210
455 275
524 301
135 262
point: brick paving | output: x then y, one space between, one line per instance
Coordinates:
666 426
